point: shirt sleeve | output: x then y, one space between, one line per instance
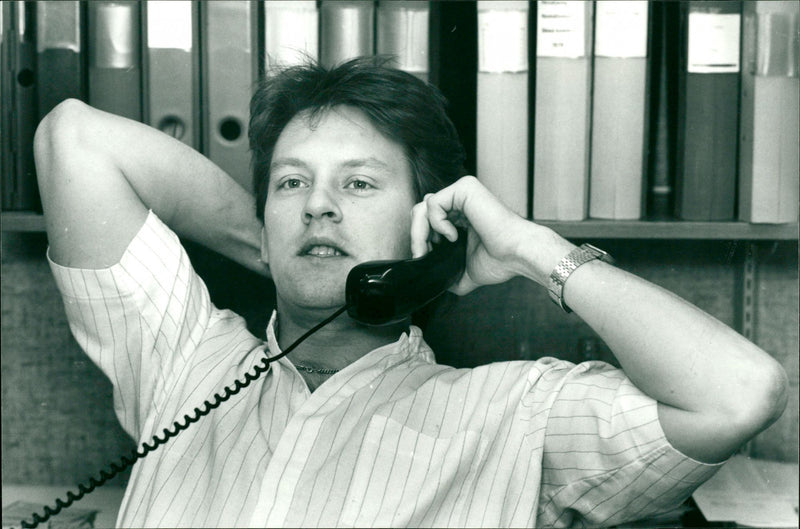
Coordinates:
140 319
606 459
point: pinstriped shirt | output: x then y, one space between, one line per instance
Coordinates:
394 439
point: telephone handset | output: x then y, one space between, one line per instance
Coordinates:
384 292
376 292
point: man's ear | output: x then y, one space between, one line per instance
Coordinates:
264 253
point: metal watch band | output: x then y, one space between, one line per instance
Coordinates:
580 255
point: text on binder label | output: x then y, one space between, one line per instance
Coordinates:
561 29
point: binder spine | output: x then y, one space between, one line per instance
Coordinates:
60 67
115 75
19 190
563 110
403 29
708 116
229 73
347 30
769 142
172 69
291 33
664 57
502 113
6 82
619 110
454 63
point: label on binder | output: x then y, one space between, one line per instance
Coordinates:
620 29
561 29
713 43
169 24
502 41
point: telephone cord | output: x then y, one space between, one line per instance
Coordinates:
168 434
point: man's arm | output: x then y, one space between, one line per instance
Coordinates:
100 173
715 388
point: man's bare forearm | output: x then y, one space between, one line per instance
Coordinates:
99 174
717 389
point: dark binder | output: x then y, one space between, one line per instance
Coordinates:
229 72
347 30
454 67
663 129
115 73
708 110
403 31
19 115
60 68
171 87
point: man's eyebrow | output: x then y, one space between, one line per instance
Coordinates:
369 162
287 162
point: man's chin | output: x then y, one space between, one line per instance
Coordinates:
318 301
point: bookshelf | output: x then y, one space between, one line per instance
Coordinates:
675 230
22 221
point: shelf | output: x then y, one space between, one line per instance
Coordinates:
643 229
22 221
588 229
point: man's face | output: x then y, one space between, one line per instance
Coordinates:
340 193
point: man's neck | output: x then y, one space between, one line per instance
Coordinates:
333 347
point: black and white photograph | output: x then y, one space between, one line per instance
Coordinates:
400 263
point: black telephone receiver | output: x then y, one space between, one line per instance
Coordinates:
384 292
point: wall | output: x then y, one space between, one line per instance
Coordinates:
57 421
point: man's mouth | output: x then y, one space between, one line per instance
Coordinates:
321 247
324 251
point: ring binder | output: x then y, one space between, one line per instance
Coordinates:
115 75
346 30
229 72
172 70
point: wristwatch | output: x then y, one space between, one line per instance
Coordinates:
580 255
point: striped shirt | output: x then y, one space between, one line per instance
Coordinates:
394 439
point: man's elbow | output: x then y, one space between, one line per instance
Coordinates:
766 399
60 122
58 137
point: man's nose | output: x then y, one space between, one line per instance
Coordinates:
321 203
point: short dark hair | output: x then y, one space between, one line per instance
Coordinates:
401 106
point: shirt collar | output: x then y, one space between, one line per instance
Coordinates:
409 345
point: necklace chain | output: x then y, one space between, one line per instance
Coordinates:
318 371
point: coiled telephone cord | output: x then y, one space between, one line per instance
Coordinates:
177 427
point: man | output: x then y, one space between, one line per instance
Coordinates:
359 425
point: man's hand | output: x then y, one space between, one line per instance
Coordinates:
499 239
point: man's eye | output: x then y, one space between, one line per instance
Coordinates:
359 185
291 183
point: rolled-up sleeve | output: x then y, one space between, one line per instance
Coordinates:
605 457
138 319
